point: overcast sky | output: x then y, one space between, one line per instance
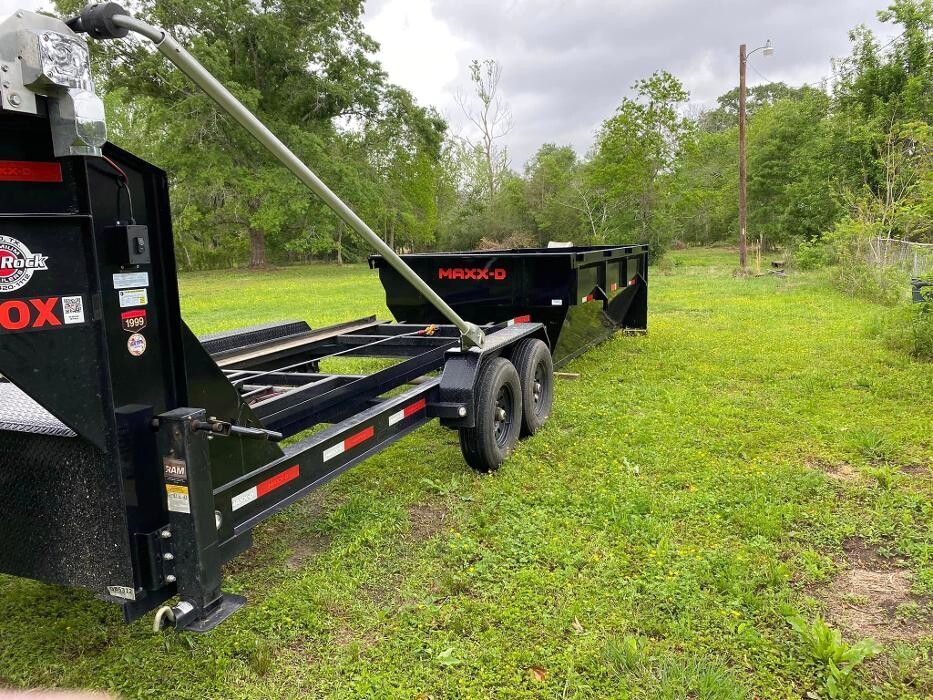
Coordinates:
568 63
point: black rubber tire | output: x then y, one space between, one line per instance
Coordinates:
489 444
533 362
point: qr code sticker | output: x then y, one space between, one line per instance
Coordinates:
73 310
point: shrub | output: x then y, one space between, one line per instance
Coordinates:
826 647
850 241
812 255
909 329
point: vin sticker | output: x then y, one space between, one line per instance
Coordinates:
178 498
133 297
128 280
134 321
124 592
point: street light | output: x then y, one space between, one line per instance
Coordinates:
767 50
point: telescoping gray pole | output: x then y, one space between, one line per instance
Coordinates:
471 335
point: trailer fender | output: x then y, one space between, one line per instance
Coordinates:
456 404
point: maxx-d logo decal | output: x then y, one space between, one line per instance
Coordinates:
18 264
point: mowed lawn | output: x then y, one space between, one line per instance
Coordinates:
757 457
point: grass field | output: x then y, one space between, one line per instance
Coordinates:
701 500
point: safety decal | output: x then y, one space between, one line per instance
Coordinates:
128 280
133 297
178 498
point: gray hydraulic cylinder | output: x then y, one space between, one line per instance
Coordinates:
471 335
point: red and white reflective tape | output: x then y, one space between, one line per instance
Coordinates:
408 411
588 297
349 443
267 486
614 286
632 282
518 319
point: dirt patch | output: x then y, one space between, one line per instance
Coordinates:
840 471
427 519
918 470
307 549
861 554
879 604
873 597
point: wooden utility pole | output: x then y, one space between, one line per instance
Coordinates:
743 196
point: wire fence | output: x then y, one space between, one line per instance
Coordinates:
909 256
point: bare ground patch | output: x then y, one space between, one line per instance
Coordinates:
873 597
306 549
427 519
921 471
839 471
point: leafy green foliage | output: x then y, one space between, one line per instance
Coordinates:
909 329
839 659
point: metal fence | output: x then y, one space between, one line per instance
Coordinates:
911 257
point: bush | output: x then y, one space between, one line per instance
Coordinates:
812 255
909 329
850 243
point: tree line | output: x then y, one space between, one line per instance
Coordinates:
828 164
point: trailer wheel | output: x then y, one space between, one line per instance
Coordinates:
498 417
532 359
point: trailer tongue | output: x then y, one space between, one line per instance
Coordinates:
136 459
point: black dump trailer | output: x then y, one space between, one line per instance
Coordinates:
135 458
582 294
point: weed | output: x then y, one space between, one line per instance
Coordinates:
837 659
872 445
261 660
885 476
625 655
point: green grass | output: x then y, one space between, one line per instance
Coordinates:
653 541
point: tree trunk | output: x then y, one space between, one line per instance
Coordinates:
257 249
340 227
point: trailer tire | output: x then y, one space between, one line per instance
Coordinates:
532 360
498 417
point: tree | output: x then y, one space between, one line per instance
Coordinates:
636 152
492 117
305 68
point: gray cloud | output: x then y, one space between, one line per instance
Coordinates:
568 63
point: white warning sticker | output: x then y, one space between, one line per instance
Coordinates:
127 280
557 302
133 297
179 500
124 592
